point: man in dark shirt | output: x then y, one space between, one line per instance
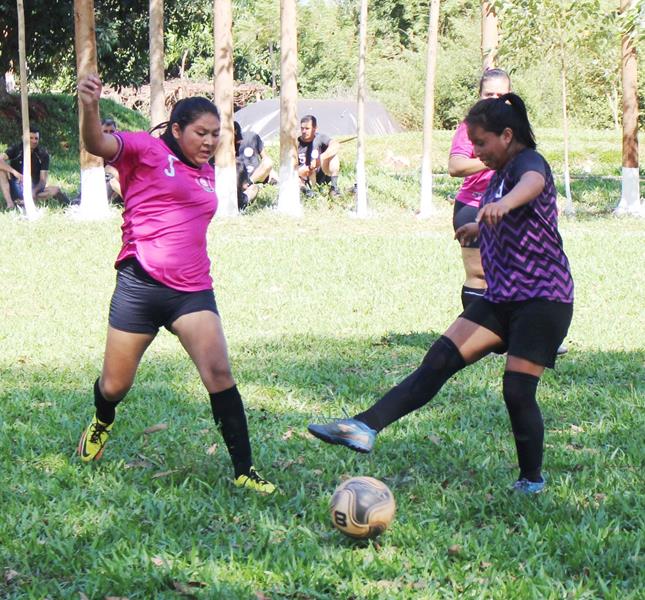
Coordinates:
318 160
12 187
249 149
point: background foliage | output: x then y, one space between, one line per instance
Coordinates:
327 42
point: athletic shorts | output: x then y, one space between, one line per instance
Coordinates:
530 329
141 304
463 214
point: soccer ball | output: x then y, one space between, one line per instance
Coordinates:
362 507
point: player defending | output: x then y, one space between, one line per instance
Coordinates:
163 268
527 307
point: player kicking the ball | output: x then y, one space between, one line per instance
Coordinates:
163 268
527 308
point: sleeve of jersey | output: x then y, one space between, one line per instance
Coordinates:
259 144
44 161
461 144
13 151
131 146
529 160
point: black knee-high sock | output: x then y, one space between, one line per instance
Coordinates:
441 362
526 421
228 412
105 410
469 295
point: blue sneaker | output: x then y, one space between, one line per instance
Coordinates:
524 486
347 432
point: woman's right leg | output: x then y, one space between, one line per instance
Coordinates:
465 342
123 352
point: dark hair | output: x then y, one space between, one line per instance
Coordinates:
238 131
187 111
497 114
108 121
34 129
493 74
309 119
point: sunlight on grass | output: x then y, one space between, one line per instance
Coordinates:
322 315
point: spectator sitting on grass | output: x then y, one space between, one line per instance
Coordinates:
4 169
249 149
11 186
318 160
112 184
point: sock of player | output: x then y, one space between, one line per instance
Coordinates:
228 412
469 295
441 362
105 410
334 182
526 421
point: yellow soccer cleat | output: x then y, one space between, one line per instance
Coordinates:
93 440
254 482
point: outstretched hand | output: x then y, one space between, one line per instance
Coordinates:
89 89
492 213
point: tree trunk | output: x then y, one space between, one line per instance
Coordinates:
489 38
94 202
427 208
361 179
569 209
630 196
289 194
225 172
30 208
157 96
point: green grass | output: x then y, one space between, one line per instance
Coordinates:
322 315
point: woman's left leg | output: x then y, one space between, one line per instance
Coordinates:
202 335
521 378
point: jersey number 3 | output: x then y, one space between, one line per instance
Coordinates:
170 171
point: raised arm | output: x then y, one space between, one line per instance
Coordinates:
96 142
526 189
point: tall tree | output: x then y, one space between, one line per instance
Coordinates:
225 173
94 202
489 37
289 193
157 96
630 197
555 29
30 208
361 179
427 207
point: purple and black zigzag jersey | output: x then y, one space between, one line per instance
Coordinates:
522 256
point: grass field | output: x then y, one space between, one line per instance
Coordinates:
322 315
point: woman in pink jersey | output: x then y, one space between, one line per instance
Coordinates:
464 163
163 269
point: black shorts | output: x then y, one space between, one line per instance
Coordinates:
530 329
463 214
141 304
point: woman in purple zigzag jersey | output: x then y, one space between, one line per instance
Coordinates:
528 304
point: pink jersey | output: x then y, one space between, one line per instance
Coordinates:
168 207
474 186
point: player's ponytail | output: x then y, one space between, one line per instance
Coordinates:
506 112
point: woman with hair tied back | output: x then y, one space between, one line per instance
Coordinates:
163 269
528 304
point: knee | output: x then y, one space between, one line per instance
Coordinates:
218 377
113 389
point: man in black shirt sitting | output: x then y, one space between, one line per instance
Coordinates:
11 186
317 157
